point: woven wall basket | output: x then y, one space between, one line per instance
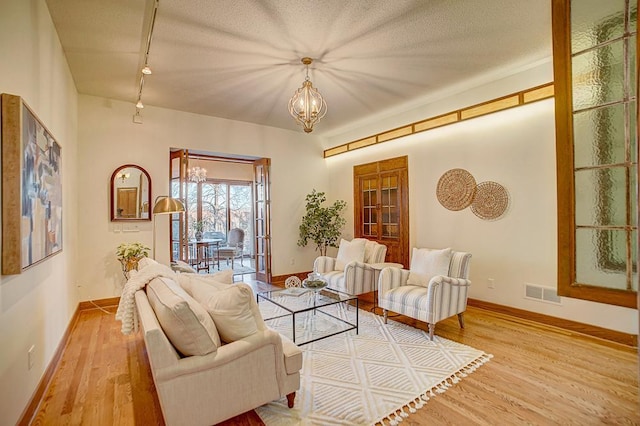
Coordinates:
491 200
456 189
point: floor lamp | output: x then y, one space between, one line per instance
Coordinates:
164 205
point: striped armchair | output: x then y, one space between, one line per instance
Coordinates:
443 298
357 277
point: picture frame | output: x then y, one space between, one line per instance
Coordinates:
31 188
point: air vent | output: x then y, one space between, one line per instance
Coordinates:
541 294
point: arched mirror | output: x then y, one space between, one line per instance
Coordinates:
130 193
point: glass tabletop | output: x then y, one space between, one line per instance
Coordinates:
298 299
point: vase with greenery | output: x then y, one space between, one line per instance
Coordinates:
198 229
130 253
321 224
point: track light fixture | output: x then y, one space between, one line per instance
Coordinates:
146 70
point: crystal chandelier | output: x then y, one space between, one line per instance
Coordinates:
197 174
307 105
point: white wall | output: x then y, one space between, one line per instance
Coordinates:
37 305
515 148
109 138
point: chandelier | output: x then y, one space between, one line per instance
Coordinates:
197 174
124 176
307 105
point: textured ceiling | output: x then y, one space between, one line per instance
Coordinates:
240 59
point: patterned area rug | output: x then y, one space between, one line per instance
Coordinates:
379 376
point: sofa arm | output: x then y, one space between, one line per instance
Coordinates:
453 291
391 278
226 354
324 264
359 277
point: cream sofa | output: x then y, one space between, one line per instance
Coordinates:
233 378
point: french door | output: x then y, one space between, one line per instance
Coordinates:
262 210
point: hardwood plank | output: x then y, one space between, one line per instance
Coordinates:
539 375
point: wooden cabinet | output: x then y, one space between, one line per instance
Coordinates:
381 206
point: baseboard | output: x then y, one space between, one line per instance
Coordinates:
591 330
98 304
36 399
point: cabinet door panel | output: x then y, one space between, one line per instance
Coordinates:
381 206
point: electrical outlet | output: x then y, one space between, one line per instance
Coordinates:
491 283
292 261
31 355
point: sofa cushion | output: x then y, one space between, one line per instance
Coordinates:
350 251
426 264
233 309
185 322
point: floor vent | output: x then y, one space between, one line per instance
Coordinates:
542 294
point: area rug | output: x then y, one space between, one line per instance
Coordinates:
379 376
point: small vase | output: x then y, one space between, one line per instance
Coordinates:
198 235
129 265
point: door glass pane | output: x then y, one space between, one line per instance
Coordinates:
601 257
598 76
214 210
240 202
595 21
601 199
599 136
631 113
631 52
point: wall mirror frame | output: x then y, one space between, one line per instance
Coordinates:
130 194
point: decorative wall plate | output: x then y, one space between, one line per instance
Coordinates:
491 200
456 189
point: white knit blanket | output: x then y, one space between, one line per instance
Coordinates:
138 280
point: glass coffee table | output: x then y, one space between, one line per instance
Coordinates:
305 315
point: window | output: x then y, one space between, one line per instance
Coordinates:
596 114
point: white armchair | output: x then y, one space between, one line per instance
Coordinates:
443 297
357 277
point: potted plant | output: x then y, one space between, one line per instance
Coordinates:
321 225
130 253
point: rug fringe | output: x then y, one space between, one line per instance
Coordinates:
397 416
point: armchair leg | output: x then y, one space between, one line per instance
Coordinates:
386 315
432 328
290 398
461 319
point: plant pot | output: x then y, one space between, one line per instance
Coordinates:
198 235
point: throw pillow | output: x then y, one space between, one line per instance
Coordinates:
234 310
186 323
426 264
350 251
219 280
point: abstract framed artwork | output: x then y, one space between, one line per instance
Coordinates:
31 188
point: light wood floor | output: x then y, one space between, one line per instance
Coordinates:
539 375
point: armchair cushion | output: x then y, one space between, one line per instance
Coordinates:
426 264
350 251
187 325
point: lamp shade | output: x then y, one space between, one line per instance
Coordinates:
167 205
